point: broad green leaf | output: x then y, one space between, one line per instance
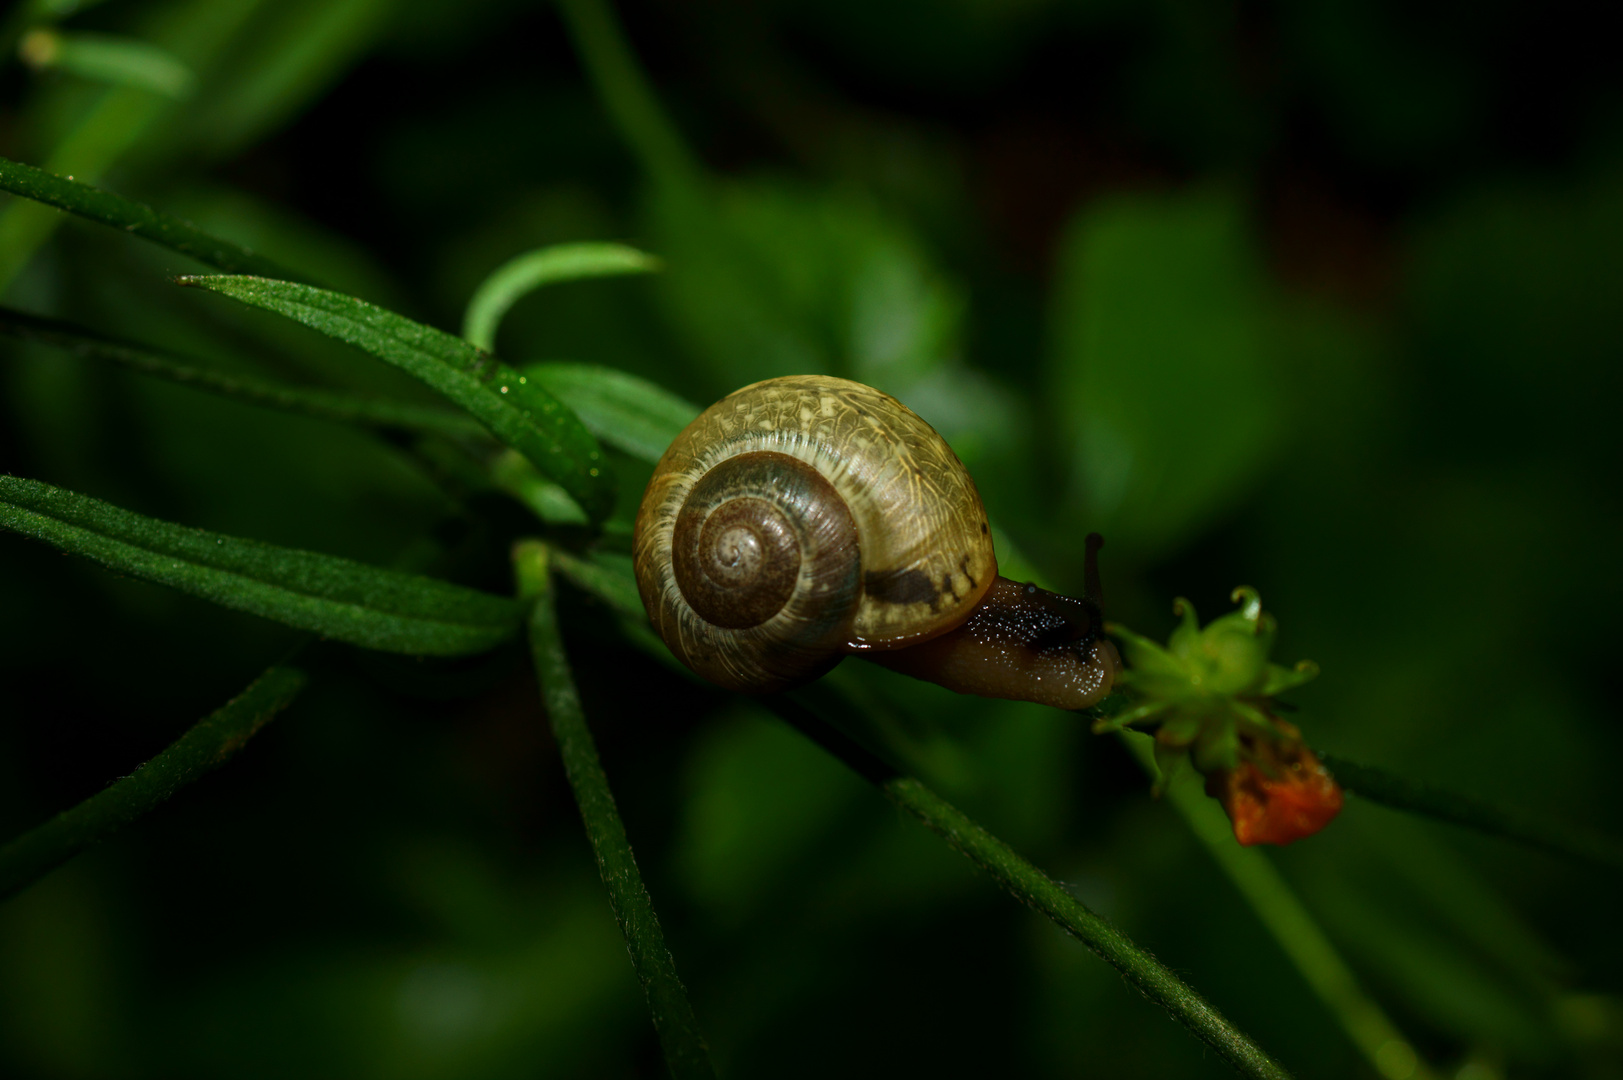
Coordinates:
767 278
326 404
518 412
338 598
210 743
544 266
116 60
628 413
1162 371
135 218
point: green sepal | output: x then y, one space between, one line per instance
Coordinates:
1217 749
1180 729
1280 679
1149 710
1168 759
1185 637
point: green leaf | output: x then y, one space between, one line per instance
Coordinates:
325 404
210 743
135 218
115 60
686 1055
1163 367
544 266
770 277
607 577
514 474
341 599
517 411
628 413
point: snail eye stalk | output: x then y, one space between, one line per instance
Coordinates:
1092 588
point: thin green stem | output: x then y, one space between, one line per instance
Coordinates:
323 404
685 1052
525 273
1378 785
1018 877
1291 925
627 95
208 744
1029 885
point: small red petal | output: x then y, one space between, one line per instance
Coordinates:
1280 809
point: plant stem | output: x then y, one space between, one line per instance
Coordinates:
685 1052
629 98
1018 877
1378 785
208 744
1291 925
525 273
1041 893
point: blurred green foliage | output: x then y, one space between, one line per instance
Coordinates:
1318 298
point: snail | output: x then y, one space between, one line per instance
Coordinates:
804 519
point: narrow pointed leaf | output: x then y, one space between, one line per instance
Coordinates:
628 413
513 407
135 218
325 404
116 60
607 577
209 743
686 1055
341 599
544 266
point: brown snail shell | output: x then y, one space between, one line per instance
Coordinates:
803 518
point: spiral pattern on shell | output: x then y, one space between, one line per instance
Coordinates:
803 518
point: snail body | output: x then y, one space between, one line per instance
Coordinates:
803 519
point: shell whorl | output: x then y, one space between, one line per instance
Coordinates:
803 518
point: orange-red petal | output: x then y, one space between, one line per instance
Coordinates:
1298 801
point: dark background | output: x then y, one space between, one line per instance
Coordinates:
1322 298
